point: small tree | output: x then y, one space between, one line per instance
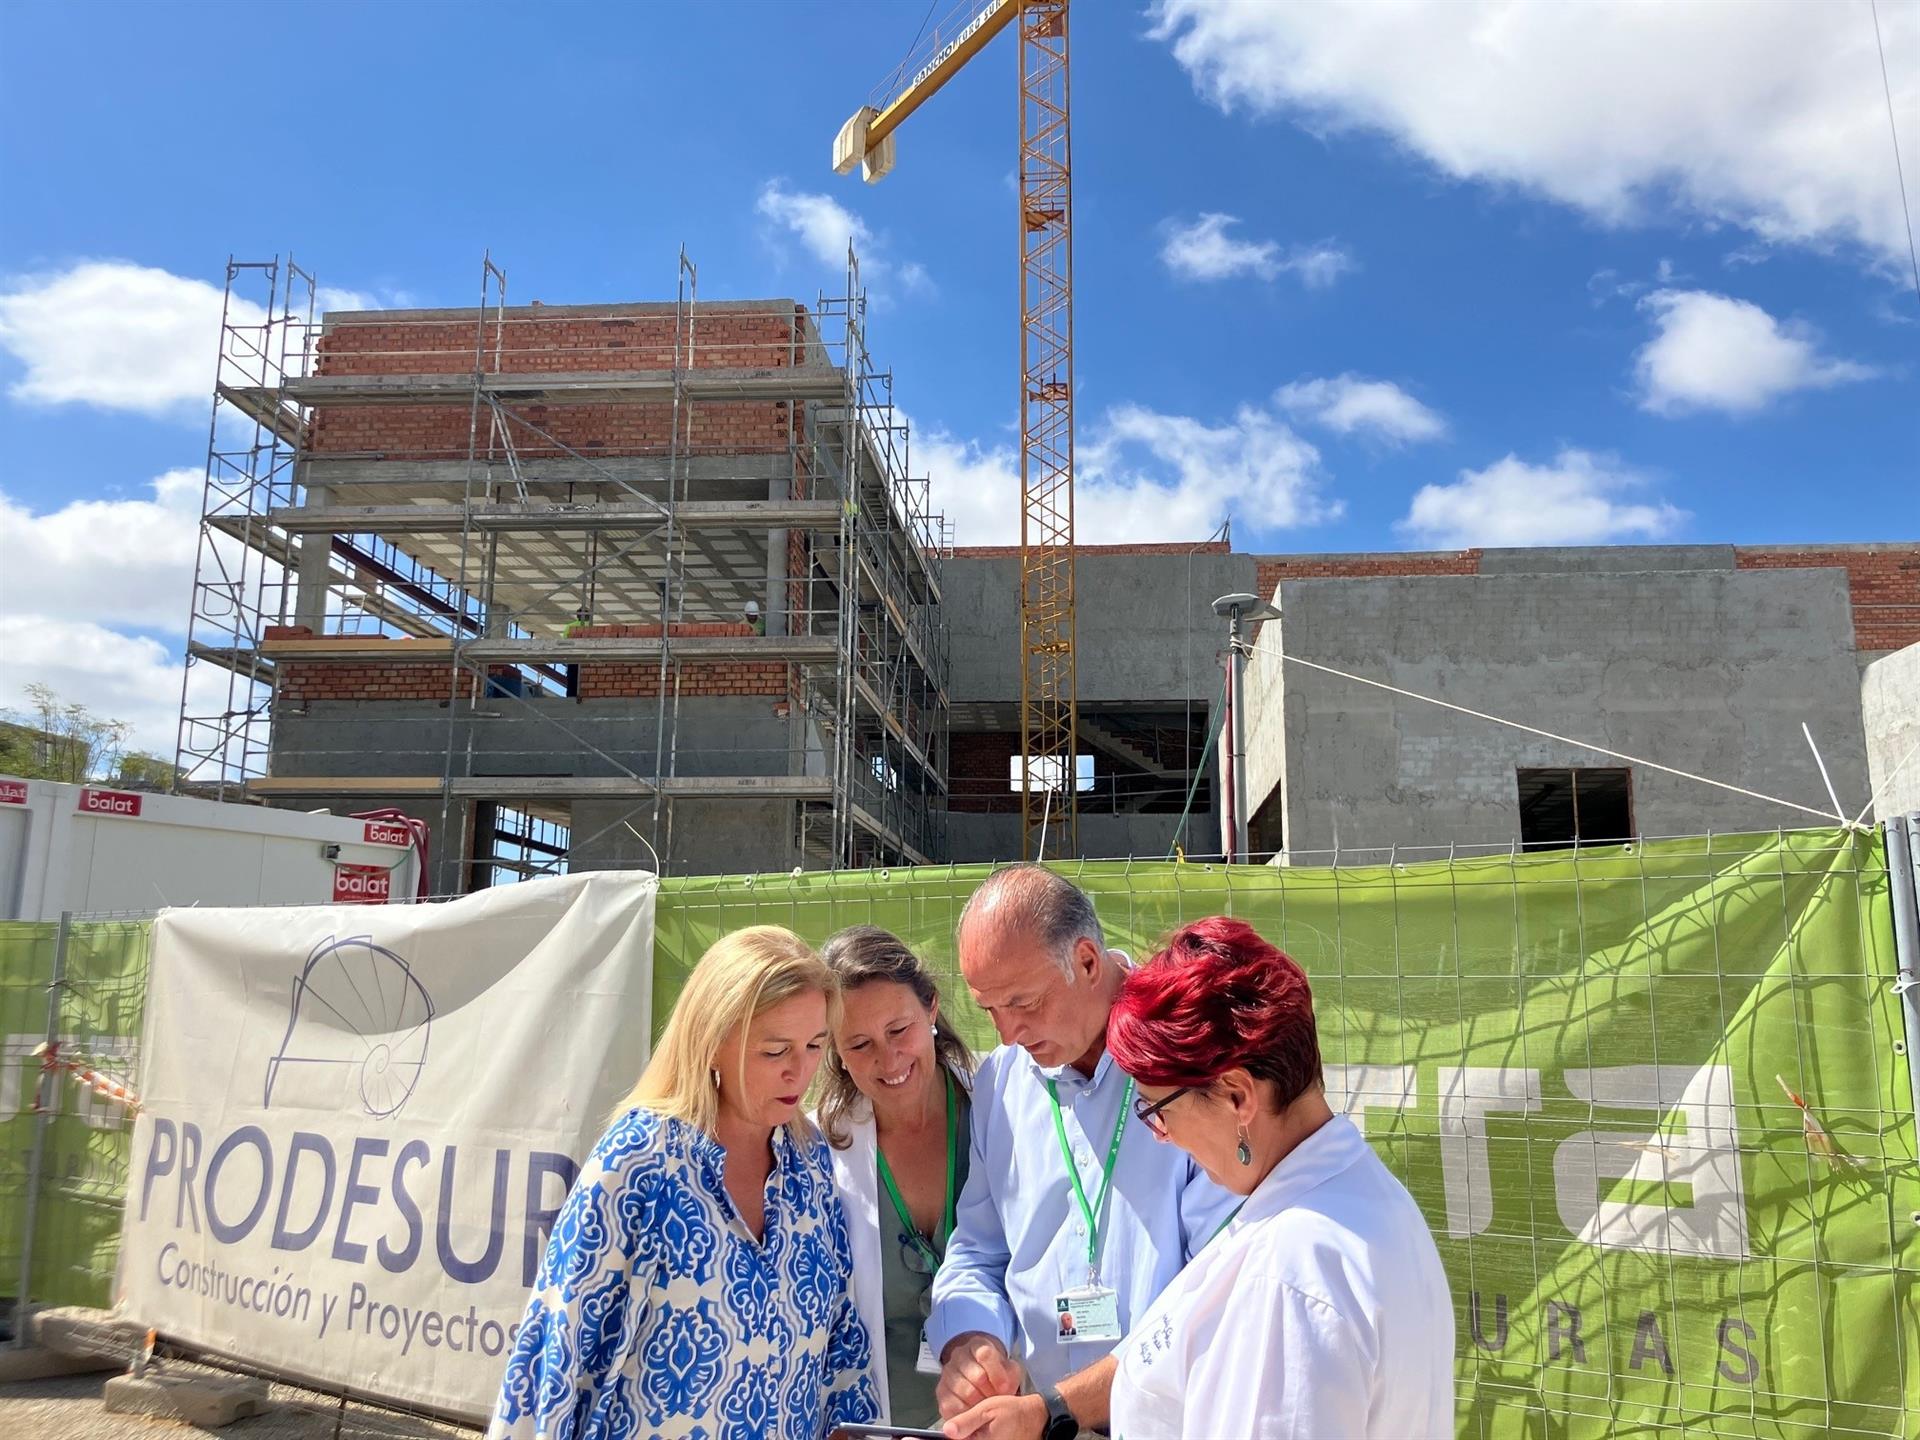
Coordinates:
55 739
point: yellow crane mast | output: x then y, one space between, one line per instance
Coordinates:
1049 705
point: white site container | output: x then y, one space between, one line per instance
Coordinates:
92 848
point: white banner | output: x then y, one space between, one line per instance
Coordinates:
359 1123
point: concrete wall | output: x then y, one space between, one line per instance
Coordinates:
1709 671
1146 630
710 837
992 838
717 736
1890 714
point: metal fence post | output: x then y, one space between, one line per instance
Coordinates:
44 1098
1903 879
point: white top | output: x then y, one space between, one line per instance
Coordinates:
853 1174
855 1177
1320 1311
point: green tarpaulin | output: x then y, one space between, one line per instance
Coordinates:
1579 1065
1638 1231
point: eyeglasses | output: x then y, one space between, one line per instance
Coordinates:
1149 1111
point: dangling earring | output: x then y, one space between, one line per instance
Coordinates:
714 1075
1245 1153
935 1028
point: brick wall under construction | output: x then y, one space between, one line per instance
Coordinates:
564 342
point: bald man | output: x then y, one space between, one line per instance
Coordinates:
1073 1218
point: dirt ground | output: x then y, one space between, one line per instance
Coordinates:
69 1408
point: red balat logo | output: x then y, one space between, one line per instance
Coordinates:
362 885
13 792
382 832
108 802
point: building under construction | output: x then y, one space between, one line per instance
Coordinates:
657 585
597 582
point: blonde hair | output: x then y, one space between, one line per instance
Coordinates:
740 976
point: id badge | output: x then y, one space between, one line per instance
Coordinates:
924 1363
1087 1314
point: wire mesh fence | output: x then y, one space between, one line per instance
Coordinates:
71 1000
1654 1100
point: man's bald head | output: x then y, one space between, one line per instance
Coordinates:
1035 961
1033 902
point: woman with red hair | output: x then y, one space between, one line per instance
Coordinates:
1320 1308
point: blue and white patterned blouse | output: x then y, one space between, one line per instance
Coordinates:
656 1312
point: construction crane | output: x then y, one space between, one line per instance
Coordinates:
1049 705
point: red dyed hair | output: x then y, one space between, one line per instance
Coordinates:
1217 997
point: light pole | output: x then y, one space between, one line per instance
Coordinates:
1239 608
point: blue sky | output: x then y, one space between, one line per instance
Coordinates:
1494 273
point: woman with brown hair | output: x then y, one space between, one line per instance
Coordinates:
895 1109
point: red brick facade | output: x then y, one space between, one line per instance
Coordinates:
628 679
1003 552
979 770
1270 570
1883 582
531 343
301 681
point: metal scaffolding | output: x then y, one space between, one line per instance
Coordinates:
644 498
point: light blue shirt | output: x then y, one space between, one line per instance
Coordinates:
1019 1238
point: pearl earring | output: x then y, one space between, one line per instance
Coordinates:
1244 1154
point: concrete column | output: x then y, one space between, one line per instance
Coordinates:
496 622
774 607
312 570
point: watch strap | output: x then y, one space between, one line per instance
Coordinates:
1060 1422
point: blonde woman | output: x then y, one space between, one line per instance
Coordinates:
696 1282
896 1108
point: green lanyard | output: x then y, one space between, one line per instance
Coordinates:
1222 1229
953 1169
1096 1212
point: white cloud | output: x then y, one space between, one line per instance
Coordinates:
824 228
976 487
121 336
1575 500
113 335
326 298
78 578
1143 476
131 678
1348 403
1318 266
1713 352
1204 251
1770 118
110 562
1253 467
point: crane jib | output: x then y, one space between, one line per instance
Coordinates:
971 28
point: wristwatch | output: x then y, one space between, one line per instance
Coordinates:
1060 1422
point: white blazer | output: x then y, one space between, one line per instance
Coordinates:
853 1173
855 1176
